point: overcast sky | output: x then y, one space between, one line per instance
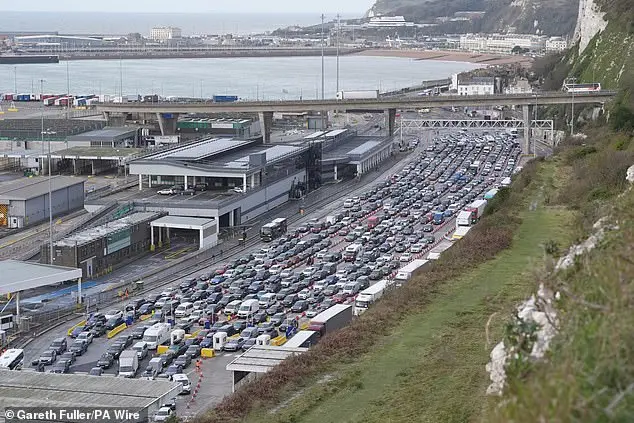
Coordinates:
191 6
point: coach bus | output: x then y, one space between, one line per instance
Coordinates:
274 229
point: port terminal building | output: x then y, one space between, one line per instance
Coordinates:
229 182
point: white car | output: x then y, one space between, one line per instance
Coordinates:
303 294
238 190
405 257
113 313
166 191
163 414
86 337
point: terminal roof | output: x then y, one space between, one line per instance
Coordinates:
96 153
182 222
27 188
21 275
261 359
200 150
90 234
107 134
33 389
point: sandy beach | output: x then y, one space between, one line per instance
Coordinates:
450 56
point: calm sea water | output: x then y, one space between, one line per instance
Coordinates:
252 78
125 23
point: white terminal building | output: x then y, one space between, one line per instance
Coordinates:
504 43
164 33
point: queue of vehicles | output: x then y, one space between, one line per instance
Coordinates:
322 272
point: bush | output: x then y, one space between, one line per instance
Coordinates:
622 119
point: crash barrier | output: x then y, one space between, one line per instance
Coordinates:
278 340
114 332
161 349
82 323
145 317
207 353
192 335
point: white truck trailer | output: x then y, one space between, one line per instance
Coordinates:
368 296
358 95
405 273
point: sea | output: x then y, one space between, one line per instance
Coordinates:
90 23
277 78
262 78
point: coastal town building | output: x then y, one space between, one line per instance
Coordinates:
505 43
473 85
388 22
519 86
164 33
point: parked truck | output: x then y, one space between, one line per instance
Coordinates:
368 296
405 273
358 95
128 364
477 207
332 319
225 98
465 218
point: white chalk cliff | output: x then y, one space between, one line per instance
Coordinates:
590 21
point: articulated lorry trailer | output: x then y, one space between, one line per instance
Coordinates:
358 95
332 319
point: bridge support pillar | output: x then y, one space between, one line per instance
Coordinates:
167 123
266 125
526 112
391 121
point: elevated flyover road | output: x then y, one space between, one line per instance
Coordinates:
167 113
379 104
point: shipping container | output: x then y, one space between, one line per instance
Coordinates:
225 98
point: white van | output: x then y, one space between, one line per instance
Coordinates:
157 335
248 308
184 310
232 307
183 380
267 300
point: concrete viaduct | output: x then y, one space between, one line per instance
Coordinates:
167 113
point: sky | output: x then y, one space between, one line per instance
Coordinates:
191 6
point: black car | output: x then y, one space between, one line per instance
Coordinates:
278 319
299 306
183 360
230 330
274 309
78 347
115 350
259 317
289 300
137 332
113 323
98 330
268 328
193 351
172 370
59 345
62 366
106 361
70 356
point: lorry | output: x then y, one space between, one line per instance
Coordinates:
358 95
405 273
302 339
477 207
225 98
465 218
490 194
156 335
368 296
128 364
331 320
460 232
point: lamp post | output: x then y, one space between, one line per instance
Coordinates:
572 121
338 35
322 58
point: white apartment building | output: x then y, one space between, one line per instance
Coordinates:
519 86
556 44
164 33
502 43
388 22
482 85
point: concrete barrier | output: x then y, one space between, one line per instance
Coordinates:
192 335
114 332
207 353
161 349
82 323
304 325
145 317
279 340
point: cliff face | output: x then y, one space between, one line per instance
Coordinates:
551 17
590 21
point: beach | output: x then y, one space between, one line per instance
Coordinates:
450 56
